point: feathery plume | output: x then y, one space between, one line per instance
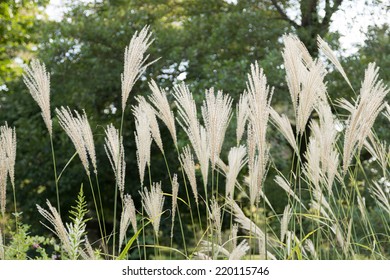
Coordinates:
7 162
79 131
88 140
287 213
338 232
216 112
381 197
213 249
295 57
282 182
233 236
135 61
366 109
160 101
188 120
387 112
116 154
175 191
251 227
313 90
215 217
187 112
239 251
242 112
304 79
245 222
312 168
37 81
291 240
187 161
8 143
379 150
255 181
325 135
54 218
237 161
324 47
309 246
204 155
257 166
128 215
153 124
89 254
153 202
345 104
283 124
143 140
3 181
201 256
362 208
251 143
259 98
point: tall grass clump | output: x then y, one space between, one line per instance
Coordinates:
333 209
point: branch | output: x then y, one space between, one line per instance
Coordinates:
329 11
283 14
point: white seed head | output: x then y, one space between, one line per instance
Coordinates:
188 164
237 161
160 101
366 109
79 131
175 192
135 61
128 216
37 81
143 140
153 203
216 112
59 229
116 154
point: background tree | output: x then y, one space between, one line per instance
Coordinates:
19 21
309 22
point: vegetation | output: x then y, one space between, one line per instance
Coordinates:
322 189
290 167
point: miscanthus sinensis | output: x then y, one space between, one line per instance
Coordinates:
135 61
7 162
37 81
216 112
79 131
153 202
187 161
365 110
116 154
159 100
128 216
143 140
305 79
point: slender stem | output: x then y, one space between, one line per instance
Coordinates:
101 207
96 209
116 190
16 212
182 232
55 174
